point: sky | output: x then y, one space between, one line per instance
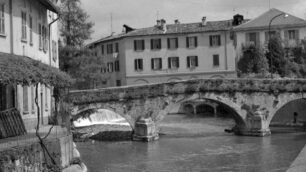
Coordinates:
144 13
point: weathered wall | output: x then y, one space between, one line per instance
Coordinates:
31 157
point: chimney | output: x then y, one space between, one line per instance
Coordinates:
176 21
237 19
158 23
204 22
163 25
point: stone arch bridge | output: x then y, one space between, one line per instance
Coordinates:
253 102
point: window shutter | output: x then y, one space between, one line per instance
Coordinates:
219 40
178 62
135 64
188 61
187 42
160 44
257 39
176 41
247 37
140 64
196 41
143 44
196 61
286 35
152 63
168 42
161 63
151 44
297 35
169 62
210 40
135 46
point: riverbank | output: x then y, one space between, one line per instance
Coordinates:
299 164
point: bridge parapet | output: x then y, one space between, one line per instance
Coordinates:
274 86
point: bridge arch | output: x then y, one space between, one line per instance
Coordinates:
282 101
77 111
284 114
238 114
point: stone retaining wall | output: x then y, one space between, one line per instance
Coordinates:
31 158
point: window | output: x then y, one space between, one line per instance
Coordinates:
191 42
156 64
54 51
272 34
138 64
7 97
155 44
215 40
109 48
25 100
192 61
45 38
172 43
2 21
102 49
31 29
40 36
173 62
117 66
139 45
117 47
110 67
33 98
24 26
216 62
118 83
292 34
252 38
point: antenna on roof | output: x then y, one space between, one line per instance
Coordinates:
111 24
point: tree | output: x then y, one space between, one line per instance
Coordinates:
252 61
276 56
75 27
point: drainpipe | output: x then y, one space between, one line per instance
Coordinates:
50 58
225 50
11 27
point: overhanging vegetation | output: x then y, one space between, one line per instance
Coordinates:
21 70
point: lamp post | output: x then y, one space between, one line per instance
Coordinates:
269 36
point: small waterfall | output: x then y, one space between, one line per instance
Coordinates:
102 116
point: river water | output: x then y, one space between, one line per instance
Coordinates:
195 152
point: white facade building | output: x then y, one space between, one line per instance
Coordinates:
26 30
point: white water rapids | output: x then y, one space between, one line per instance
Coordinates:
102 116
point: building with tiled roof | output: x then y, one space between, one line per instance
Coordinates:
291 29
168 52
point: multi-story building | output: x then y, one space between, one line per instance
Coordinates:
291 30
168 52
28 28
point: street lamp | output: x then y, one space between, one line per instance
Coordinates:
269 34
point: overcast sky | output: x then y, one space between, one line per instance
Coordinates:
143 13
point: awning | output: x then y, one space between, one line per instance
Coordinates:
22 70
49 5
